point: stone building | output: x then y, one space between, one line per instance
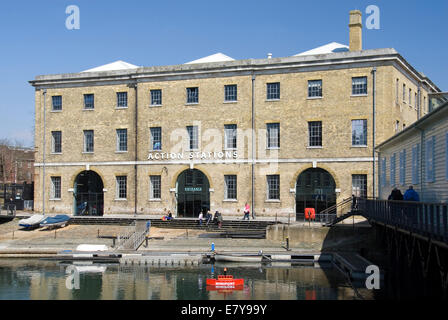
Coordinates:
280 134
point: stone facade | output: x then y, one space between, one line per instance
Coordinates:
293 110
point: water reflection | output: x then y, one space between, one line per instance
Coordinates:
41 280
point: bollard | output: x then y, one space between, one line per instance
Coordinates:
55 233
13 235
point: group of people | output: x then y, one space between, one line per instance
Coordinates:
208 218
409 195
217 218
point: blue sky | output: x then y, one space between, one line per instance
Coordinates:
36 41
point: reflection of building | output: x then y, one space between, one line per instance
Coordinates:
280 133
418 156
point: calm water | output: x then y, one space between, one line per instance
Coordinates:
43 280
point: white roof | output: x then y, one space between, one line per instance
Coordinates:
328 48
117 65
217 57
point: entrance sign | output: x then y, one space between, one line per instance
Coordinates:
193 189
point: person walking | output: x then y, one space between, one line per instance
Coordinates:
246 211
411 195
395 195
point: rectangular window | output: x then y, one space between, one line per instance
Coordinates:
410 97
89 101
404 93
315 133
156 138
55 188
273 135
396 91
403 167
193 135
359 132
383 172
156 97
193 95
56 139
121 191
122 99
415 164
429 159
273 91
155 190
230 135
273 187
359 185
230 187
359 86
57 103
315 89
416 102
122 140
230 93
88 141
393 159
446 156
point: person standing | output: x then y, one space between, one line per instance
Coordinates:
411 195
246 211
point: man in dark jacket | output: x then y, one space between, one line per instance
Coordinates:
396 195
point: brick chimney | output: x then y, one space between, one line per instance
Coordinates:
355 30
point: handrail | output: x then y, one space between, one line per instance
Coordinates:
337 205
423 218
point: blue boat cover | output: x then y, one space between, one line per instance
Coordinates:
56 219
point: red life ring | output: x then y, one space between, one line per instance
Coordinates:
310 214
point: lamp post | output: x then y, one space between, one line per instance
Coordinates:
43 154
373 128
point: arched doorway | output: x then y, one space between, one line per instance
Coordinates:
316 189
193 193
89 194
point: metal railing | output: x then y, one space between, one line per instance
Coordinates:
329 215
133 237
426 219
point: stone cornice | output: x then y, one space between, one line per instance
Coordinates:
365 58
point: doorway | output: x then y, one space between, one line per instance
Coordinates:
316 189
88 194
193 193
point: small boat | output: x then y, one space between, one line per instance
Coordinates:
32 222
224 282
55 222
238 258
